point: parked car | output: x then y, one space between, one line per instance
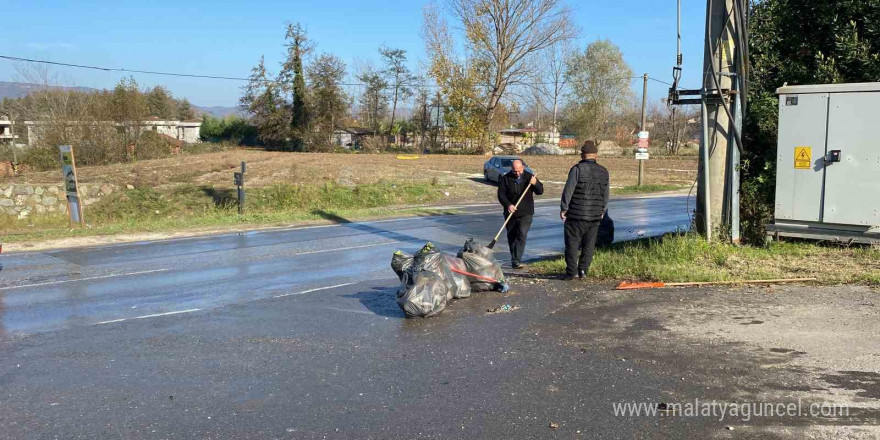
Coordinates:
498 166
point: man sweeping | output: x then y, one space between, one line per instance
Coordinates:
584 201
511 187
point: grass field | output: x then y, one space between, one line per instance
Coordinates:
687 257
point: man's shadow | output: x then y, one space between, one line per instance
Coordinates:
381 301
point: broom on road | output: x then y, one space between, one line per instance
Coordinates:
495 240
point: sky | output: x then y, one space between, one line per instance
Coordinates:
223 38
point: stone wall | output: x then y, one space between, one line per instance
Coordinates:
28 199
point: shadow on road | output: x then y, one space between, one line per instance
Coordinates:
381 301
369 229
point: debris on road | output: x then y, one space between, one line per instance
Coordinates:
554 425
503 309
430 278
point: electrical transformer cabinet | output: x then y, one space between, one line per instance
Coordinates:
828 163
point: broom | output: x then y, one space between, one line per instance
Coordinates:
495 240
500 286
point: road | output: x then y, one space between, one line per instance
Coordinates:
288 333
61 289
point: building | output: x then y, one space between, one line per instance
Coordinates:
6 130
523 138
351 137
185 131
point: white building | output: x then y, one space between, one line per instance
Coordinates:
6 135
185 131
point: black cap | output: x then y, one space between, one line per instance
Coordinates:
589 148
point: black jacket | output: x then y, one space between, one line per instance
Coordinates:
586 192
509 192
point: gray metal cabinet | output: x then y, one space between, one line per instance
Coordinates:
828 162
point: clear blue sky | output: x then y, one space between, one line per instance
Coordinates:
227 38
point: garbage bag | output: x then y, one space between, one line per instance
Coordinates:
480 260
463 285
423 295
400 263
426 281
606 231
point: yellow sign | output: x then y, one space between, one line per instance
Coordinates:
803 158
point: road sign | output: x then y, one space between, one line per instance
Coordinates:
68 170
644 139
803 158
642 156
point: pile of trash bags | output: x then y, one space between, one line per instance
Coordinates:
431 278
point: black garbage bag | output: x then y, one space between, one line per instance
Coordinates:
427 282
606 231
462 283
480 260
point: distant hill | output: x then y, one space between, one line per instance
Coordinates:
19 89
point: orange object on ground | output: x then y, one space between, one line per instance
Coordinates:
651 285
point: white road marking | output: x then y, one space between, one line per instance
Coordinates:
150 316
313 290
343 249
84 279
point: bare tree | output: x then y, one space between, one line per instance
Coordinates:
551 82
501 35
674 125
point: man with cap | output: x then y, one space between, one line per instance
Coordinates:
511 187
584 201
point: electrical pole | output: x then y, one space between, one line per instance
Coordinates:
718 188
644 123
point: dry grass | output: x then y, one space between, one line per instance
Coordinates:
268 168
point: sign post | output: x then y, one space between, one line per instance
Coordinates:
239 182
642 153
71 187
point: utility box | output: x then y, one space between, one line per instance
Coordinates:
828 163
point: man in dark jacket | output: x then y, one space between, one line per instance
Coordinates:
510 187
584 201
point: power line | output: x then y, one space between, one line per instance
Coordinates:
234 78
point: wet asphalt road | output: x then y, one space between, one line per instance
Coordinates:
294 333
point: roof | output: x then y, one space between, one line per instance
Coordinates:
356 130
829 88
518 130
505 157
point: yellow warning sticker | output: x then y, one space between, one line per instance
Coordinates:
803 158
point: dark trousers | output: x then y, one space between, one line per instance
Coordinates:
517 231
580 238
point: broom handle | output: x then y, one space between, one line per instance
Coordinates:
491 280
511 214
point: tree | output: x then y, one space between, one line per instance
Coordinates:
329 99
374 98
500 36
798 42
184 110
161 104
129 109
600 84
398 76
551 80
672 127
293 81
263 101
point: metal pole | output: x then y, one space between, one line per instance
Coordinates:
704 163
644 123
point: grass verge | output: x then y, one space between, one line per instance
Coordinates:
686 258
189 207
635 189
